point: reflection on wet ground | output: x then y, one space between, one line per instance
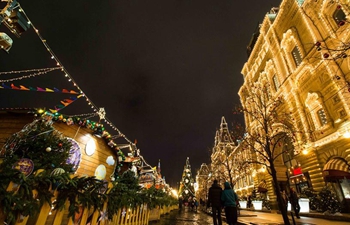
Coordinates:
185 216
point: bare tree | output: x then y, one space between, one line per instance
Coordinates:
268 130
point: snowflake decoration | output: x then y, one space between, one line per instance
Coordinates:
104 216
101 113
124 212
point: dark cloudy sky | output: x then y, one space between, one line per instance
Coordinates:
165 71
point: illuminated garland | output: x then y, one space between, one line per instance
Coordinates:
38 73
97 129
69 77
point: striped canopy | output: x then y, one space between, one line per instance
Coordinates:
335 169
337 164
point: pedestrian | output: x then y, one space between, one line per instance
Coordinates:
214 201
285 199
195 204
294 201
249 202
180 202
230 199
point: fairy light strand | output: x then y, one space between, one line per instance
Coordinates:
28 71
69 77
30 75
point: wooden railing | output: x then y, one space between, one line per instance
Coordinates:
140 215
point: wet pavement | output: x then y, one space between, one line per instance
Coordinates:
261 218
185 216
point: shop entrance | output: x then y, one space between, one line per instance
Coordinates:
337 172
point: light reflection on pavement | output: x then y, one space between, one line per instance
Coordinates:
184 217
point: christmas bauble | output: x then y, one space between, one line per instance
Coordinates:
48 149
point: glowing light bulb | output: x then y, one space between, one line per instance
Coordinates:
346 134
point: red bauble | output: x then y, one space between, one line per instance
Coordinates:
341 23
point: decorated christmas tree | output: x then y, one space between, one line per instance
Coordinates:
37 147
186 189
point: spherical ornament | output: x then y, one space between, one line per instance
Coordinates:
325 55
59 144
341 23
48 149
112 179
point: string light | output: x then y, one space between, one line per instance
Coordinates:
28 71
66 74
28 76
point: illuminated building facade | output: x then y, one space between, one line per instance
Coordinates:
301 50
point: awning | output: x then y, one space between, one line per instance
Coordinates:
262 187
336 168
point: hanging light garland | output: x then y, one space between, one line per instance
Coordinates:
38 73
71 80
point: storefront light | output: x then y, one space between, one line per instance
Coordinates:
346 134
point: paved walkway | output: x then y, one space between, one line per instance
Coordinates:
262 218
184 217
187 217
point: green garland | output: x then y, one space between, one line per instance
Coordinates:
53 173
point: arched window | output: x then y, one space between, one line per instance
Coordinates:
292 48
316 108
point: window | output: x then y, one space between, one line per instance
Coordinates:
342 113
276 82
336 99
322 116
300 2
296 56
339 16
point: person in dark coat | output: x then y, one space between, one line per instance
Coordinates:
285 199
230 199
214 201
294 201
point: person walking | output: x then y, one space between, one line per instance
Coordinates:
214 201
294 201
230 199
285 199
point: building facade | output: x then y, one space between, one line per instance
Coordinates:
301 51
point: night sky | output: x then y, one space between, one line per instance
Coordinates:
165 71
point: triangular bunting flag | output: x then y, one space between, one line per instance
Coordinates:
23 88
64 103
5 86
56 90
14 87
40 89
68 100
48 90
73 92
65 91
